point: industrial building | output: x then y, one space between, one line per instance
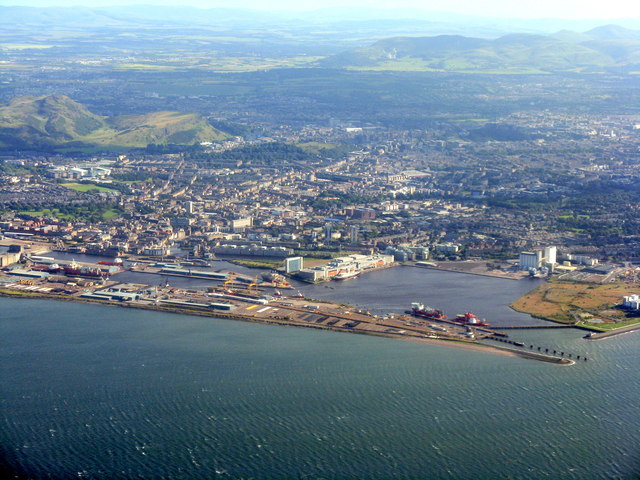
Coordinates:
530 260
194 273
631 301
341 265
8 258
581 259
113 294
252 251
156 251
536 259
21 272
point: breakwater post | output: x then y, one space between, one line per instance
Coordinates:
561 354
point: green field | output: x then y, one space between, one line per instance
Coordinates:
613 326
103 215
316 147
590 305
262 264
110 214
221 64
48 212
408 64
85 187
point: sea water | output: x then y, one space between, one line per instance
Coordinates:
103 392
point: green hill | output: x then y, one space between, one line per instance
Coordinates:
52 119
597 49
56 121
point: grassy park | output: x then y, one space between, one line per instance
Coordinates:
85 187
593 305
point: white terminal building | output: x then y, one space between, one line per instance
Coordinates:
632 301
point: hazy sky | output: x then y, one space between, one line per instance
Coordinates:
570 9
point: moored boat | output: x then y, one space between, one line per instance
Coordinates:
420 310
470 319
347 275
115 262
76 270
52 268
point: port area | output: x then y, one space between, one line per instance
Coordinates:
284 310
475 267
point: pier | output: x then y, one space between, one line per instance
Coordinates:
613 333
542 350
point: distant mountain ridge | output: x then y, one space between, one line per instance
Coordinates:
157 15
56 121
602 47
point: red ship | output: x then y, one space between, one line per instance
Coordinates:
420 310
115 262
470 319
53 268
76 270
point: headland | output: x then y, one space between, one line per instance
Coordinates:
284 311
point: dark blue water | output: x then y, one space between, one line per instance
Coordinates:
105 392
393 290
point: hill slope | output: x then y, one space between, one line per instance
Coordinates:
604 47
52 119
57 121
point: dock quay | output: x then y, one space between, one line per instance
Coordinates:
290 311
490 331
531 327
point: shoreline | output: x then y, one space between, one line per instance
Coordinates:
523 305
481 347
472 346
563 324
443 269
362 272
614 332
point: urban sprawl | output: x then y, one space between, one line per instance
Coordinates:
395 198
